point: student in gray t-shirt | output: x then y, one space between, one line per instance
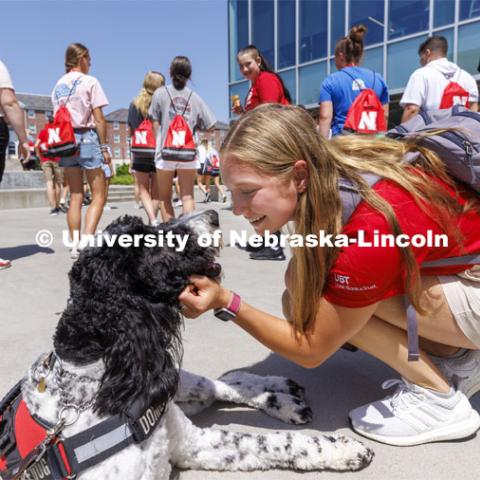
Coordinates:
165 105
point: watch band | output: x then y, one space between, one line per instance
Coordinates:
234 304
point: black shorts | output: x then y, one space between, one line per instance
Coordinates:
145 165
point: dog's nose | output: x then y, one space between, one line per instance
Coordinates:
213 219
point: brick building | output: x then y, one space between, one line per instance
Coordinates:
117 134
217 135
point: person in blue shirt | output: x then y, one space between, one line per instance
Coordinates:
340 89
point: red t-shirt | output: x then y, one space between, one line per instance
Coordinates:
364 275
43 137
266 89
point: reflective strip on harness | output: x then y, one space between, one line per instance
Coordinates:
103 443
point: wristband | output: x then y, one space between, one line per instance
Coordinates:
229 312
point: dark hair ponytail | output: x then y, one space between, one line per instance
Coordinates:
265 67
352 45
180 72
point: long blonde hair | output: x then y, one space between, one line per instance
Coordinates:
151 82
273 137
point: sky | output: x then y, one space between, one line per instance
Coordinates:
125 38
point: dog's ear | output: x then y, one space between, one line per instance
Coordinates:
142 363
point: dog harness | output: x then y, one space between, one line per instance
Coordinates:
33 449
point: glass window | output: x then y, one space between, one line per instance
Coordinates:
33 129
333 67
48 114
407 17
290 82
448 34
402 60
313 30
116 125
116 139
286 33
469 9
311 78
31 114
468 47
373 59
370 14
337 27
262 19
238 28
443 12
118 153
241 89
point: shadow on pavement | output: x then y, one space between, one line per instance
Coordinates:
346 381
21 251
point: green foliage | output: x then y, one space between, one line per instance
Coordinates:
122 169
122 176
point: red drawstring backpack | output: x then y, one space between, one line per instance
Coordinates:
179 145
61 137
143 140
454 94
365 114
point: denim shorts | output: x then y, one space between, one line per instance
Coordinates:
89 155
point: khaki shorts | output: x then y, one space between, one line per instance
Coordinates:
53 172
463 296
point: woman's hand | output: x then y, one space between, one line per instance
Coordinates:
201 295
238 110
107 158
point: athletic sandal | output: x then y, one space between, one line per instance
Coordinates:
416 415
462 370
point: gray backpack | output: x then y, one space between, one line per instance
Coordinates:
459 148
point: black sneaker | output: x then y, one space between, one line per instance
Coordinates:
268 253
54 211
251 249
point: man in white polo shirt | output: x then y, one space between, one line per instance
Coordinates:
439 83
10 107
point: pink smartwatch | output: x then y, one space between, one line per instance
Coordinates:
231 310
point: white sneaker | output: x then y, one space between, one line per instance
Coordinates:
416 415
462 371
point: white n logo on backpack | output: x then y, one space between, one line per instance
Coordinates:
459 100
53 135
141 137
368 121
178 138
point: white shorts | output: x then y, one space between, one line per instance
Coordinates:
171 166
463 297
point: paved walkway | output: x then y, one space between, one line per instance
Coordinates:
34 292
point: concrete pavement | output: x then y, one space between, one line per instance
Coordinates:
34 292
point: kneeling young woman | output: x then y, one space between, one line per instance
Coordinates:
279 169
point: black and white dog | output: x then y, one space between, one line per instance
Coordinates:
118 343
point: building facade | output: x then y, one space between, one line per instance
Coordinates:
298 38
